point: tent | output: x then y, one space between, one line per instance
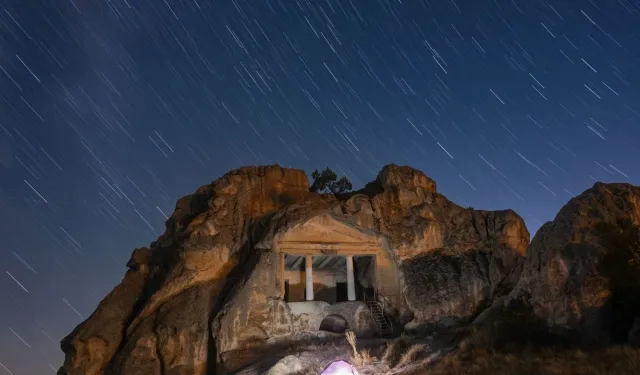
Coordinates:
339 368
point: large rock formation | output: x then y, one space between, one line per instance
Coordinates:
211 285
561 278
158 319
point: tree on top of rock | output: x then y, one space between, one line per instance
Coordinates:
327 182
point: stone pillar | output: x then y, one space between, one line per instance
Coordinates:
281 271
308 264
351 285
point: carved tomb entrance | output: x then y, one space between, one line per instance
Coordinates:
328 278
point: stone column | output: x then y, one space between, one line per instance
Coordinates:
281 271
351 285
308 264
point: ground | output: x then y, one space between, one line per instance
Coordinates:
381 356
472 350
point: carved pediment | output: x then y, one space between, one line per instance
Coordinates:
330 230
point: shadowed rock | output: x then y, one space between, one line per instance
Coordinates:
561 279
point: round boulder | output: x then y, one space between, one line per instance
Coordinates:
334 323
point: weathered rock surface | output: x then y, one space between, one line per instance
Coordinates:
94 342
289 365
477 261
560 278
157 320
207 286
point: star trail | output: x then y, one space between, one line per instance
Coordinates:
110 110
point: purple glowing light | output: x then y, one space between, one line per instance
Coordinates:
340 368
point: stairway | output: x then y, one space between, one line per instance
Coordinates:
381 320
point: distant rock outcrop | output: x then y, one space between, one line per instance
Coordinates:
212 285
561 279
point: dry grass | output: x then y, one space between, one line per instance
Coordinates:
405 353
359 358
415 353
395 349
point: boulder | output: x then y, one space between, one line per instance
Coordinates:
561 279
289 365
334 323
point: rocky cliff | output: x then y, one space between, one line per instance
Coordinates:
158 319
208 282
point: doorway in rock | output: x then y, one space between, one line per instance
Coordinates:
369 294
365 276
342 292
329 277
286 290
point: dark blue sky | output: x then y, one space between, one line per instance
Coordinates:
110 110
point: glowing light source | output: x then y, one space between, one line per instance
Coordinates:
339 368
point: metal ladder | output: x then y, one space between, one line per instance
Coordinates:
382 321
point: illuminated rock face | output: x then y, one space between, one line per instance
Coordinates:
213 284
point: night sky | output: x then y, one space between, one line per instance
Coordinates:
110 110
